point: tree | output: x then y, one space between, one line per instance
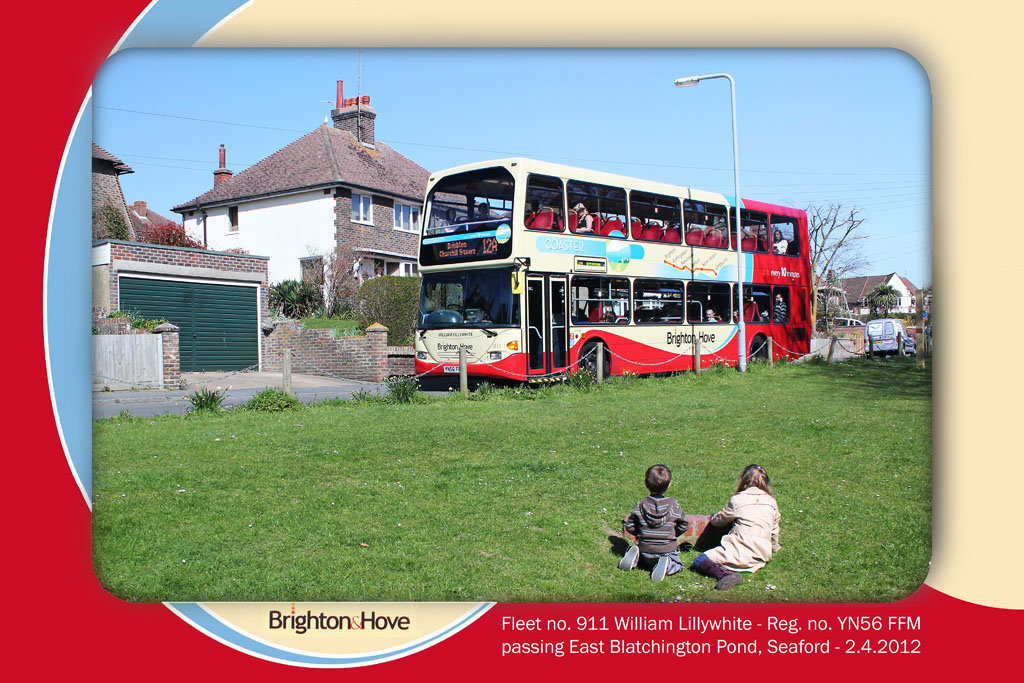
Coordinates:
833 233
110 224
883 299
172 235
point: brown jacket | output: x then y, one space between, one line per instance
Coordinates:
754 536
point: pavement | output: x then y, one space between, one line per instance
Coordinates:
240 388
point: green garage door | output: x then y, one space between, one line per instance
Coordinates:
219 324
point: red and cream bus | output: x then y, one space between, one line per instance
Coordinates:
529 264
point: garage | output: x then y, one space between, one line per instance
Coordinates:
219 323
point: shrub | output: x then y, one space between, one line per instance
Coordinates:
137 322
296 299
272 400
172 235
582 380
207 400
391 301
401 389
110 223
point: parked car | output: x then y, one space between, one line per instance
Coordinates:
884 334
847 322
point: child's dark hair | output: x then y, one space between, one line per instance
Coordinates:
658 478
754 476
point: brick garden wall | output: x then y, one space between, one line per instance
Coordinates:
401 360
319 352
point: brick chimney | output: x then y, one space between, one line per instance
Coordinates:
139 206
354 115
222 173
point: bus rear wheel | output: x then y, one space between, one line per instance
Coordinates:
759 348
588 359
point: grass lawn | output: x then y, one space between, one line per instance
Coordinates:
520 496
341 326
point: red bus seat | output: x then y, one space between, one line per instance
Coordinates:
672 235
750 312
573 218
597 314
544 220
748 243
694 237
613 226
714 239
651 232
637 228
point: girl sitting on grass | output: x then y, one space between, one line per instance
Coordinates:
754 535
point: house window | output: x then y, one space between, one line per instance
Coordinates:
407 217
362 208
409 269
232 219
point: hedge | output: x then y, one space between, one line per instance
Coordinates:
391 301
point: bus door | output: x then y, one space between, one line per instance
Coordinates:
547 331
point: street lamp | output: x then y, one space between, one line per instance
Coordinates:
742 333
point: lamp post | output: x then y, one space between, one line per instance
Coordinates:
742 332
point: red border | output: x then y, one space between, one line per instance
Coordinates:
62 622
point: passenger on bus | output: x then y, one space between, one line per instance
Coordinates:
780 314
483 212
711 317
584 222
450 221
780 245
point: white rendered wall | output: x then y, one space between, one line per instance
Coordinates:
283 228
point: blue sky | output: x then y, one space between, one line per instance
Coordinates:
815 126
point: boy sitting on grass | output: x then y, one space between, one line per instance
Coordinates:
656 522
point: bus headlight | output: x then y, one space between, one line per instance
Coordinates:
421 355
495 355
513 346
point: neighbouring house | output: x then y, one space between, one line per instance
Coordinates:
110 216
145 219
333 187
858 288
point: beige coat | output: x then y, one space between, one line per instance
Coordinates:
754 536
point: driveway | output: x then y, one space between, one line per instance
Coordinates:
240 388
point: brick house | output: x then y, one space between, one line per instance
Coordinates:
335 186
106 190
145 219
858 288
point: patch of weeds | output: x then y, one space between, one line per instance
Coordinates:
272 400
401 389
208 400
125 414
626 379
484 391
365 396
582 380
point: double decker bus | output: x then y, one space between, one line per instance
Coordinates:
528 265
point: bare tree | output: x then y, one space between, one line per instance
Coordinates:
833 233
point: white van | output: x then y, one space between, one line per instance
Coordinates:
883 335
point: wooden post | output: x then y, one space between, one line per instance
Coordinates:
899 345
921 341
696 353
463 372
771 351
871 346
286 372
831 349
600 362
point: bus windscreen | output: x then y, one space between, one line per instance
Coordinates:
468 298
469 218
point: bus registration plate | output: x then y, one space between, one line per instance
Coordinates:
450 369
